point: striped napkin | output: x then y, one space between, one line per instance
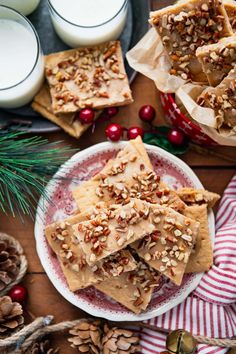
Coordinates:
211 309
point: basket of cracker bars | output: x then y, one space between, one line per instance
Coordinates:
190 54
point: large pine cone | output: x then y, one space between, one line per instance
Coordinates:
43 347
11 319
87 336
9 263
119 341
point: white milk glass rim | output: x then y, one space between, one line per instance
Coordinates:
91 26
24 18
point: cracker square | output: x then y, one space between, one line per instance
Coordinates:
218 59
128 175
193 196
67 121
201 258
103 270
222 99
78 274
87 77
113 228
168 248
132 289
187 25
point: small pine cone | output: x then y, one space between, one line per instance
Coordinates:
87 336
9 263
11 319
42 347
119 341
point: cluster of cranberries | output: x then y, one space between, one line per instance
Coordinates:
114 131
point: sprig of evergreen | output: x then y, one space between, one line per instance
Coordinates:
26 163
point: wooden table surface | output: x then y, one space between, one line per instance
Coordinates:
214 173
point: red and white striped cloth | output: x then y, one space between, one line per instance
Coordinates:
211 309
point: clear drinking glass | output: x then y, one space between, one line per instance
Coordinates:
21 59
74 34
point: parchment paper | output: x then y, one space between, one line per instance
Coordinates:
150 58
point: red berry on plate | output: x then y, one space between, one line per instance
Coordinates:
133 132
18 293
147 113
114 132
176 137
111 111
86 115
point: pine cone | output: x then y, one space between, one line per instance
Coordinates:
11 319
43 347
119 341
9 263
87 337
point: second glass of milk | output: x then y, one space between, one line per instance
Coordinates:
88 22
25 7
21 59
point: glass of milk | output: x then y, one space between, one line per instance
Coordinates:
21 59
88 22
25 7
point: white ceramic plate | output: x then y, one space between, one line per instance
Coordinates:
79 168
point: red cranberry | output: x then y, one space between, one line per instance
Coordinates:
133 132
111 111
86 115
175 137
114 132
18 293
147 113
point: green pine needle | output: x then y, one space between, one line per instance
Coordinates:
26 164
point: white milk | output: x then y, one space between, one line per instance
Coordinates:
19 50
103 15
25 7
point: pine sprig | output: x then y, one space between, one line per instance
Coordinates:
26 164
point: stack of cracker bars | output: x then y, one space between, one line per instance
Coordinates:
91 77
200 41
132 229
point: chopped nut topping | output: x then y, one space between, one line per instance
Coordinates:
147 257
177 233
222 99
146 187
75 267
157 220
144 279
204 7
87 77
218 59
120 242
100 236
184 27
187 238
168 247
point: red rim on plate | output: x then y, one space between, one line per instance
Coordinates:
179 120
79 168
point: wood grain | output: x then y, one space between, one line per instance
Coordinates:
215 173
